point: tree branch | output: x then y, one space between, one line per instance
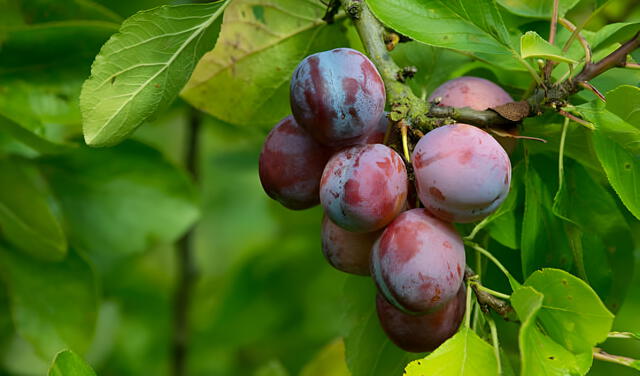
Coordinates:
187 272
426 116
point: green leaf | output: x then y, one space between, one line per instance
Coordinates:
121 200
141 69
68 363
624 102
368 350
601 232
26 217
617 144
261 43
41 71
532 45
54 305
541 355
571 312
537 8
502 225
463 354
544 242
467 25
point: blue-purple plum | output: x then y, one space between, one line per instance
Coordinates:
462 173
421 333
291 165
364 187
347 251
337 96
418 262
476 93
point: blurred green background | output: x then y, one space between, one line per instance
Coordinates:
265 301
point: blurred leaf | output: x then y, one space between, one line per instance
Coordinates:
36 11
126 8
537 8
68 363
329 361
543 241
463 354
532 45
273 368
41 70
624 101
54 305
141 70
26 217
613 33
368 350
121 200
467 25
540 355
571 312
261 43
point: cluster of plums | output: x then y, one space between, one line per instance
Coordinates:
330 152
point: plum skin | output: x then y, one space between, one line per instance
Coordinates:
291 164
462 173
364 187
418 262
476 93
421 333
337 96
347 251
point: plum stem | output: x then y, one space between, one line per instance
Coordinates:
495 341
425 115
486 300
492 292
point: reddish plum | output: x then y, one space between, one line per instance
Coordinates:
421 333
364 187
418 262
291 164
477 93
338 96
462 173
347 251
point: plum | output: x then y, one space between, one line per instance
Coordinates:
347 251
337 96
291 165
421 333
477 93
364 187
418 262
462 173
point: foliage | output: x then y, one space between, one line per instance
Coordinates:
88 254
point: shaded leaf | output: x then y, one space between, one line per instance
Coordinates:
141 69
245 79
121 200
329 361
368 350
